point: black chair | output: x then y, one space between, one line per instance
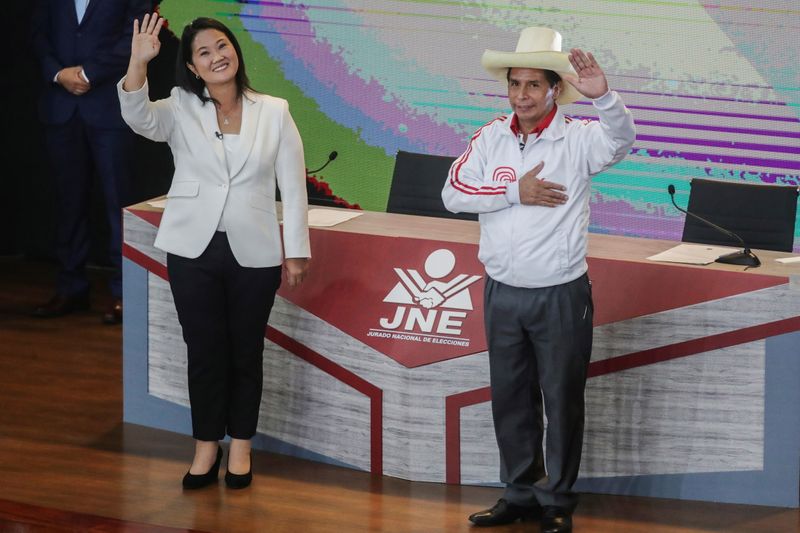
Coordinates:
762 215
417 184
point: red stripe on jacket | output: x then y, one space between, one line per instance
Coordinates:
456 168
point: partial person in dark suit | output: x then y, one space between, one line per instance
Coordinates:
83 48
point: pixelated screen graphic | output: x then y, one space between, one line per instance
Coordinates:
714 87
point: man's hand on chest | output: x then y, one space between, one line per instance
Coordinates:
535 191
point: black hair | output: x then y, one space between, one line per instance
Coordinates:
552 76
185 78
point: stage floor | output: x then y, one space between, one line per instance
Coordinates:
67 460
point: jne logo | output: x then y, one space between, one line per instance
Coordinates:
431 308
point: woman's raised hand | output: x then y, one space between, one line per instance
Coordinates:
145 44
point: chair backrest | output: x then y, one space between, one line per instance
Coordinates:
417 186
762 215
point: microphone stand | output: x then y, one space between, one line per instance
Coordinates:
331 157
745 257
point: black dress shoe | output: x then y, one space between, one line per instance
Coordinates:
60 305
239 481
505 513
113 315
198 481
556 520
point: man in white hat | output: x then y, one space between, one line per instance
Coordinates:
538 304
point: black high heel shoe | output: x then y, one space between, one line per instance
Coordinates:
239 481
198 481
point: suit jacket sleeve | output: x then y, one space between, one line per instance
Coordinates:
41 43
153 120
291 176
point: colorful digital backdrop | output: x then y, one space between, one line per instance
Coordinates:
714 87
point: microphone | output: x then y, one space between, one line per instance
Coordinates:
744 257
218 135
331 157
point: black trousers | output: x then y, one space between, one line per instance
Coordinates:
540 343
223 309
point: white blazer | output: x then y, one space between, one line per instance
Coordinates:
271 152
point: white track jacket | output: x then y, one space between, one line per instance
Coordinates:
535 246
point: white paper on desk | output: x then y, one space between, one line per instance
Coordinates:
321 218
794 259
159 204
693 254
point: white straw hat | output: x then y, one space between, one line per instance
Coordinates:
537 48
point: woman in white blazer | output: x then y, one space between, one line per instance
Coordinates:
231 146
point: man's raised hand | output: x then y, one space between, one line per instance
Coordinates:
589 80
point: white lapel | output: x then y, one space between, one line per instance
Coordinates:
208 119
251 114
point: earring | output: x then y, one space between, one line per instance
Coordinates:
197 76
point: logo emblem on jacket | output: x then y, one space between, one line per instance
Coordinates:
504 175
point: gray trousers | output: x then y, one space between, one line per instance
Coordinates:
540 342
